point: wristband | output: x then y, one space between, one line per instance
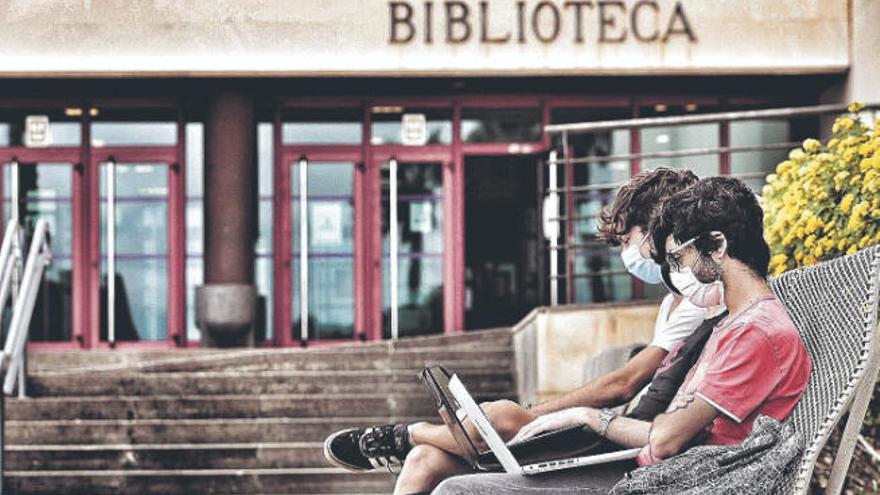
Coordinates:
605 419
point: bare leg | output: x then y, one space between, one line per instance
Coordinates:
426 467
506 417
439 436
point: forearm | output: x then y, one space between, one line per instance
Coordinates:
623 431
604 392
611 389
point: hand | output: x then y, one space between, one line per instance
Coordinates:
574 416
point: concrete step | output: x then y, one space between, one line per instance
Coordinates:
227 406
165 456
260 382
45 361
197 481
340 360
153 431
337 360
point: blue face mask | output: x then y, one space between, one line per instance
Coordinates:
644 269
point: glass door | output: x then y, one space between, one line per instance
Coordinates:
135 226
322 248
45 190
412 248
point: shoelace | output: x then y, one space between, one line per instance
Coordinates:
377 445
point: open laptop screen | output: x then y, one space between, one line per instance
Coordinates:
436 377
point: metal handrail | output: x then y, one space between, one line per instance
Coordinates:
703 118
566 243
683 153
10 262
39 256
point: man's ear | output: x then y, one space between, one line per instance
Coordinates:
719 253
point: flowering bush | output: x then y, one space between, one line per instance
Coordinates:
824 201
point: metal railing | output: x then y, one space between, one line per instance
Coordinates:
559 212
23 287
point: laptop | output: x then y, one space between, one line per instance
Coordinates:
560 449
503 453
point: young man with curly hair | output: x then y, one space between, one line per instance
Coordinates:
430 451
753 363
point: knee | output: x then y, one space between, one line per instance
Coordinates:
425 466
507 417
424 457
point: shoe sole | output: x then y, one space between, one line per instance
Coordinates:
332 459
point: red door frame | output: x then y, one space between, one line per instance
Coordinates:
79 293
282 237
176 261
443 155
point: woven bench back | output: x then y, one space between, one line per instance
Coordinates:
834 306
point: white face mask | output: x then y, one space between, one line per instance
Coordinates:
699 294
644 269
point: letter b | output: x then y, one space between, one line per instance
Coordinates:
457 13
398 20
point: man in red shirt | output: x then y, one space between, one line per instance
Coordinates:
753 363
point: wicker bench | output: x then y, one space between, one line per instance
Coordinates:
834 306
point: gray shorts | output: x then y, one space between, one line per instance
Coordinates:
592 479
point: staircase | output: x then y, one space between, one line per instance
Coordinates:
226 422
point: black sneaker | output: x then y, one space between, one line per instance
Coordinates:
366 449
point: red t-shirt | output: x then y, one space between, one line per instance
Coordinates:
754 363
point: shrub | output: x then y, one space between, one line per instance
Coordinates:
824 201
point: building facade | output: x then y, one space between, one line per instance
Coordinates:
300 160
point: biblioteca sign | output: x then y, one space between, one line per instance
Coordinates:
602 21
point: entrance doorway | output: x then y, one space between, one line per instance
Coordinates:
139 246
32 191
412 248
501 247
322 249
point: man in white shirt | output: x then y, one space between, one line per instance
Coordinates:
428 452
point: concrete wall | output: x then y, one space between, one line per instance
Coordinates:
357 37
864 76
552 344
862 82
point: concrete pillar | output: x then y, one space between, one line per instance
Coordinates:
225 305
860 83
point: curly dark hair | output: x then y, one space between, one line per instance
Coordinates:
639 200
723 204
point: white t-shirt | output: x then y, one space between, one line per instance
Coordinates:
672 328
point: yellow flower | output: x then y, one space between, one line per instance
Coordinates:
855 106
845 203
825 199
811 145
809 242
842 124
778 259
